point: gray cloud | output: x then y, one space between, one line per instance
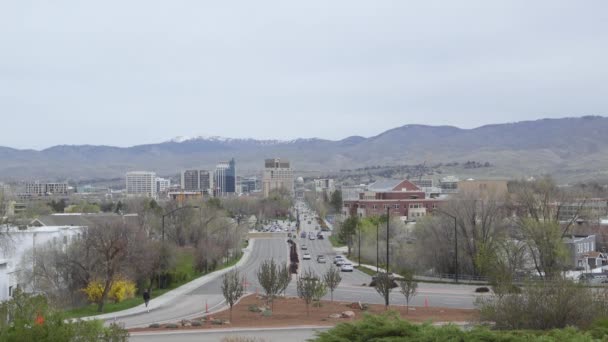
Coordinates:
130 72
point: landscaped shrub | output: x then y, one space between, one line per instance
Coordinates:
154 325
171 326
389 327
482 289
197 323
121 289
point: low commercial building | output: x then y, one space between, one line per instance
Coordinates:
401 197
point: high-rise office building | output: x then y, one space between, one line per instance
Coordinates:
141 183
225 178
277 175
197 180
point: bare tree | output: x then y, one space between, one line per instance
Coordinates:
408 288
269 278
109 244
232 287
332 278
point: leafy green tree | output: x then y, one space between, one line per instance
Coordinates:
408 288
269 278
309 286
347 230
336 201
332 278
232 287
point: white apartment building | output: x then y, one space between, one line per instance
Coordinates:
12 262
141 183
277 174
162 185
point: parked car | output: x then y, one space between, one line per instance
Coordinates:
306 256
321 259
304 248
320 237
346 267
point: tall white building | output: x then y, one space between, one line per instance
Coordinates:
141 183
277 175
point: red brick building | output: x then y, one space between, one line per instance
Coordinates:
402 197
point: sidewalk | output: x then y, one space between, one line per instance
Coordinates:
168 297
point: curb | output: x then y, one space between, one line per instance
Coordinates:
168 296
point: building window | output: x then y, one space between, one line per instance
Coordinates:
395 206
346 205
375 206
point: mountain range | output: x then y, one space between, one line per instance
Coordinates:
568 148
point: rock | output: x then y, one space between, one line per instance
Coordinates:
336 315
348 314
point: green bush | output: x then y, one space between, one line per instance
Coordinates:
171 326
154 325
197 323
389 327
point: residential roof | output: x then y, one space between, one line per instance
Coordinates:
388 185
593 255
84 220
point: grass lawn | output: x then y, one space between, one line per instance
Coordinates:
184 265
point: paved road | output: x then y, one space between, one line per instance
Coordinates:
273 335
192 304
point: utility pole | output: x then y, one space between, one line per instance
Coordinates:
387 236
377 244
359 249
388 220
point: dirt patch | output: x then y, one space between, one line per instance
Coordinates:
292 312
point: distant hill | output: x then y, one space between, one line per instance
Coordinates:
570 149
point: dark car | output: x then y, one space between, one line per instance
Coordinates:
303 235
320 237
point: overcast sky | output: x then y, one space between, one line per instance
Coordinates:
131 72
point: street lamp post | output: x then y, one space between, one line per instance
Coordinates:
387 236
377 245
359 248
455 243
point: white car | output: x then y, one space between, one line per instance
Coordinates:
340 262
338 257
306 256
312 237
347 267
